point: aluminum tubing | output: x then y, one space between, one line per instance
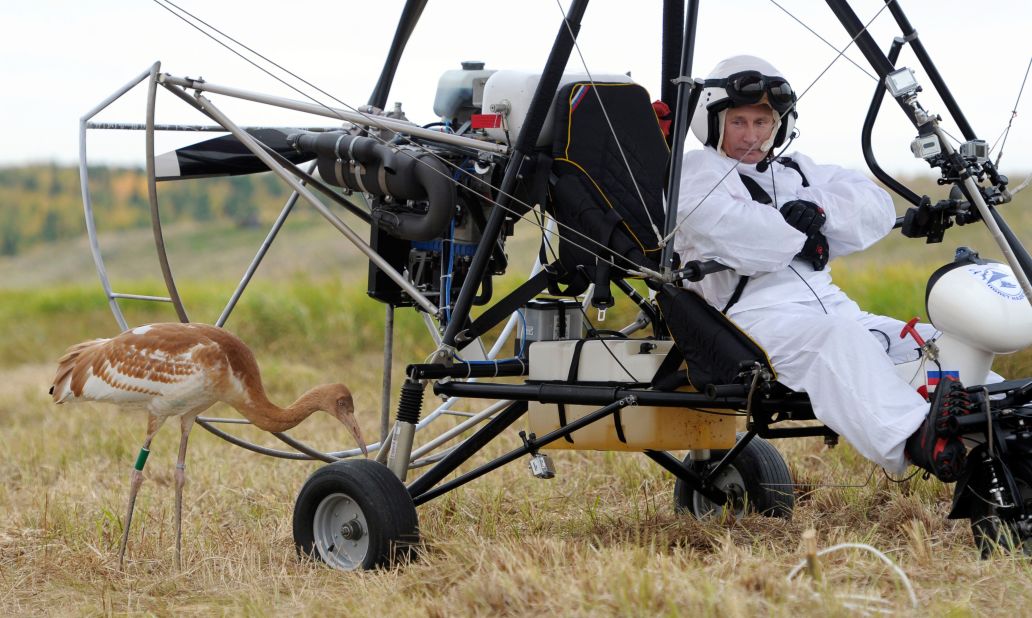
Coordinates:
404 434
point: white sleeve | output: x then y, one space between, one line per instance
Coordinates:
859 212
718 220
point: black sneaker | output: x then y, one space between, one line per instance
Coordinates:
942 456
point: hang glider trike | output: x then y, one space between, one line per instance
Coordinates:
585 160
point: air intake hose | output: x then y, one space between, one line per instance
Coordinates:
364 164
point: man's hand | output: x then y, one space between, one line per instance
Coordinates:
804 216
815 251
808 218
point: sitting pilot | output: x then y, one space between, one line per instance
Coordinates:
777 222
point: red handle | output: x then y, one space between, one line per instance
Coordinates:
910 330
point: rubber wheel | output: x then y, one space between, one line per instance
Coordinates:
994 531
355 514
757 480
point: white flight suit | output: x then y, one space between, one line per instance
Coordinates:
817 338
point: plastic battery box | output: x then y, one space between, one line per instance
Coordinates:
548 319
621 361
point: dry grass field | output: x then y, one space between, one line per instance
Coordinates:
602 538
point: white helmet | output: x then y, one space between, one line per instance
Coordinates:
743 80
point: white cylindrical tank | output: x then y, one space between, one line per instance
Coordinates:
981 303
514 91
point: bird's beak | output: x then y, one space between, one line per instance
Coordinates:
351 423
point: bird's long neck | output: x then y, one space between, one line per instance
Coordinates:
268 416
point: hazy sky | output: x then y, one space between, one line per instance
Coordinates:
60 59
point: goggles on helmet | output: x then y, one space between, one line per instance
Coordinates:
748 88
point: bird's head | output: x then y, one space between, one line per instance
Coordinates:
336 399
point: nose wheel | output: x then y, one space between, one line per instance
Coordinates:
355 514
756 481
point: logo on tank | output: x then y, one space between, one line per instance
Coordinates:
999 281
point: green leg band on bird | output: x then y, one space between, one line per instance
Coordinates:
141 459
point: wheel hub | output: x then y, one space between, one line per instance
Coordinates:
730 481
351 530
339 527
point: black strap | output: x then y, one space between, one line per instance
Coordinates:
619 426
737 294
789 163
756 192
571 376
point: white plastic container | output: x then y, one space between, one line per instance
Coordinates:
644 427
456 90
515 89
982 304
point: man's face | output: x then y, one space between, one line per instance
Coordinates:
745 128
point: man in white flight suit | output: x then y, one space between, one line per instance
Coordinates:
776 223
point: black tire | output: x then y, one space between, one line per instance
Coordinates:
757 480
355 514
997 530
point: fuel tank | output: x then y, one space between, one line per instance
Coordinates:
980 302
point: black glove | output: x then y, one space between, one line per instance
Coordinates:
804 216
815 251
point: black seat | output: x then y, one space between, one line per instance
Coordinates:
609 170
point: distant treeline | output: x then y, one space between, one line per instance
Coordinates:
43 203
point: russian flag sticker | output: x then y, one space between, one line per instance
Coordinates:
935 376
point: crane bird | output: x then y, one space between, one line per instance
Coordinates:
180 370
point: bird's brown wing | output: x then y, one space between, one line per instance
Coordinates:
146 362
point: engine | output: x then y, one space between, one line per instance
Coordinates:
429 200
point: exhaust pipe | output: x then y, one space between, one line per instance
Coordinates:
406 176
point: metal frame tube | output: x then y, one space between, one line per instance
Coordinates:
388 362
152 197
865 42
87 202
672 465
868 128
256 262
251 144
975 195
380 122
468 448
929 67
529 446
683 112
536 113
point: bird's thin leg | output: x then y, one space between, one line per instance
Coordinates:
186 424
136 479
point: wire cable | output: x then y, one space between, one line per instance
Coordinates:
411 141
1014 114
612 131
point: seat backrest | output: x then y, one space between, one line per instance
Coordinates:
610 165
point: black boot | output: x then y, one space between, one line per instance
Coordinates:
942 456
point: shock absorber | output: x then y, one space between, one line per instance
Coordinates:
409 408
